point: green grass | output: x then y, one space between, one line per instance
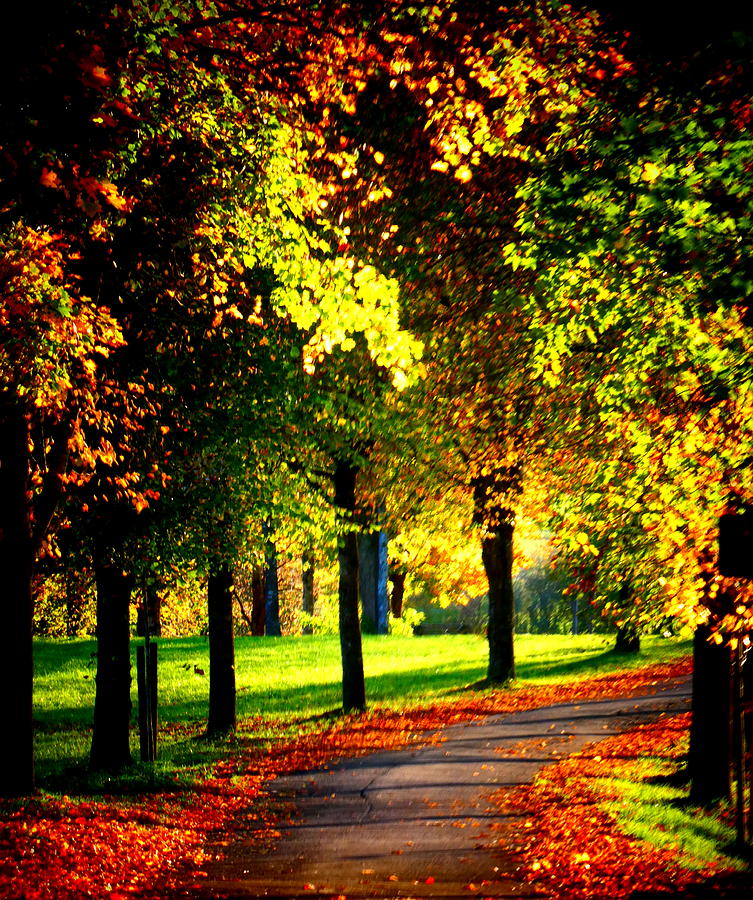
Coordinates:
285 683
658 812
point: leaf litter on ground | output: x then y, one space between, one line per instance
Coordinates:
156 844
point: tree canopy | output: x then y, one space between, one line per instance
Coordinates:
302 269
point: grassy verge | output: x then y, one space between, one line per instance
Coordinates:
285 685
649 807
612 821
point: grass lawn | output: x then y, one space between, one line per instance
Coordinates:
651 809
284 684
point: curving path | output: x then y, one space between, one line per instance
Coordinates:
416 822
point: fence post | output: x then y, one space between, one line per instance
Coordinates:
146 672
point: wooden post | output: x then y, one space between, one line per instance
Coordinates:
146 673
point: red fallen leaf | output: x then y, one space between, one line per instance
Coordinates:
309 887
430 880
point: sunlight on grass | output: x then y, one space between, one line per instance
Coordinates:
285 683
659 814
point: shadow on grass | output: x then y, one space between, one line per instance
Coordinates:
591 665
594 664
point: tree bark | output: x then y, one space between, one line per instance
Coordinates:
110 749
307 584
495 490
222 716
628 640
710 756
271 588
258 609
397 577
354 687
149 613
16 566
372 578
496 553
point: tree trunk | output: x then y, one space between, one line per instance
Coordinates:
494 493
496 554
628 639
16 565
397 577
258 608
354 687
149 613
372 578
110 749
271 588
710 756
221 719
307 582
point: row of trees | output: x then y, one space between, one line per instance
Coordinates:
298 272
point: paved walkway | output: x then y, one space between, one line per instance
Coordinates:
416 822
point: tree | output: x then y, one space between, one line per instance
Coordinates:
221 718
141 199
455 92
636 240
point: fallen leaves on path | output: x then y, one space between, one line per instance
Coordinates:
151 846
571 847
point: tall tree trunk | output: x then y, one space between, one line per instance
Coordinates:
16 564
397 577
710 756
271 587
496 553
307 585
372 579
495 491
149 613
222 718
110 749
354 687
628 638
258 607
574 609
